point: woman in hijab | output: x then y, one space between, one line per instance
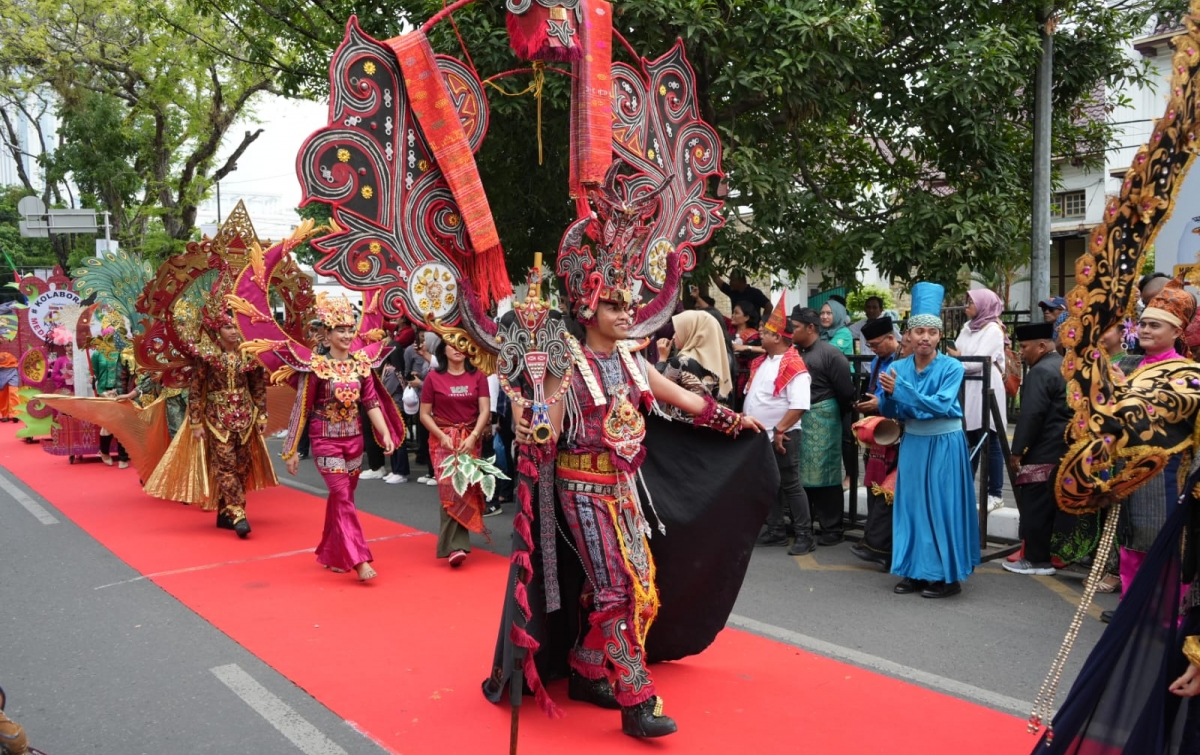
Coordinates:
984 336
834 321
701 363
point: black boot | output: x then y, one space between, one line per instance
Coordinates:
242 527
224 522
595 691
646 720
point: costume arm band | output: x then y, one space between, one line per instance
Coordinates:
719 418
1191 648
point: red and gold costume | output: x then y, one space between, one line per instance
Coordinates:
228 399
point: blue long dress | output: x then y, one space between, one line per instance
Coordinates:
935 525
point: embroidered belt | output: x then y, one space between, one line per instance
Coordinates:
939 426
1030 474
584 461
593 474
338 465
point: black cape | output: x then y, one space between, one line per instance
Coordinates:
1120 702
713 494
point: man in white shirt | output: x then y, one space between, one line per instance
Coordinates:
778 395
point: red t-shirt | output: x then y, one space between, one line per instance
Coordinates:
455 398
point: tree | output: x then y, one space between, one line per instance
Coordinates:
895 128
144 103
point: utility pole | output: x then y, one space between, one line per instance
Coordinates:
1039 264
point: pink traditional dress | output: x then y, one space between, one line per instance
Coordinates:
328 400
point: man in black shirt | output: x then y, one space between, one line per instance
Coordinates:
821 437
738 289
1038 445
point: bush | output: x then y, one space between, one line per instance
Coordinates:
856 301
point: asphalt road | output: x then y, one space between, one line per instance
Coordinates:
134 671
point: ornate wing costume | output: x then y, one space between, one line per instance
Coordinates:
292 361
1122 433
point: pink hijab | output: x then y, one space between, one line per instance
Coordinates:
987 308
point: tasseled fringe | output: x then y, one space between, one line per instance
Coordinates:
533 43
522 526
632 465
523 639
649 499
489 275
574 415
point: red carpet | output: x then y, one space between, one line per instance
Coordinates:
403 656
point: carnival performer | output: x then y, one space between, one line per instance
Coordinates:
935 527
227 411
599 447
456 410
1160 331
9 385
876 544
327 402
105 362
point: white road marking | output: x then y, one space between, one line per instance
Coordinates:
884 666
32 506
279 714
235 562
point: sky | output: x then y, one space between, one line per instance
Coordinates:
266 174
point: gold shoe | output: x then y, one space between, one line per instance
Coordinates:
365 572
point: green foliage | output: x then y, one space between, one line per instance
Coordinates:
856 301
464 470
145 93
894 128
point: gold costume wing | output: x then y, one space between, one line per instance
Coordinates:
143 431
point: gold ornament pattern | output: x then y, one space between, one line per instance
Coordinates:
1122 432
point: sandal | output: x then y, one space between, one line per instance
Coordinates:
1110 584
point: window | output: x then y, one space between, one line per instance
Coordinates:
1068 204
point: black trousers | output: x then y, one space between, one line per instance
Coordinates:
877 531
827 505
1038 510
508 436
106 447
792 499
371 447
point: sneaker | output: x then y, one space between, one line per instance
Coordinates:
430 481
493 510
371 474
1025 566
122 465
395 479
456 558
995 503
424 480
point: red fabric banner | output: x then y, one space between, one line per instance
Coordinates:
591 102
438 118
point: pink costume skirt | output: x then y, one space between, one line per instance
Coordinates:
339 460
